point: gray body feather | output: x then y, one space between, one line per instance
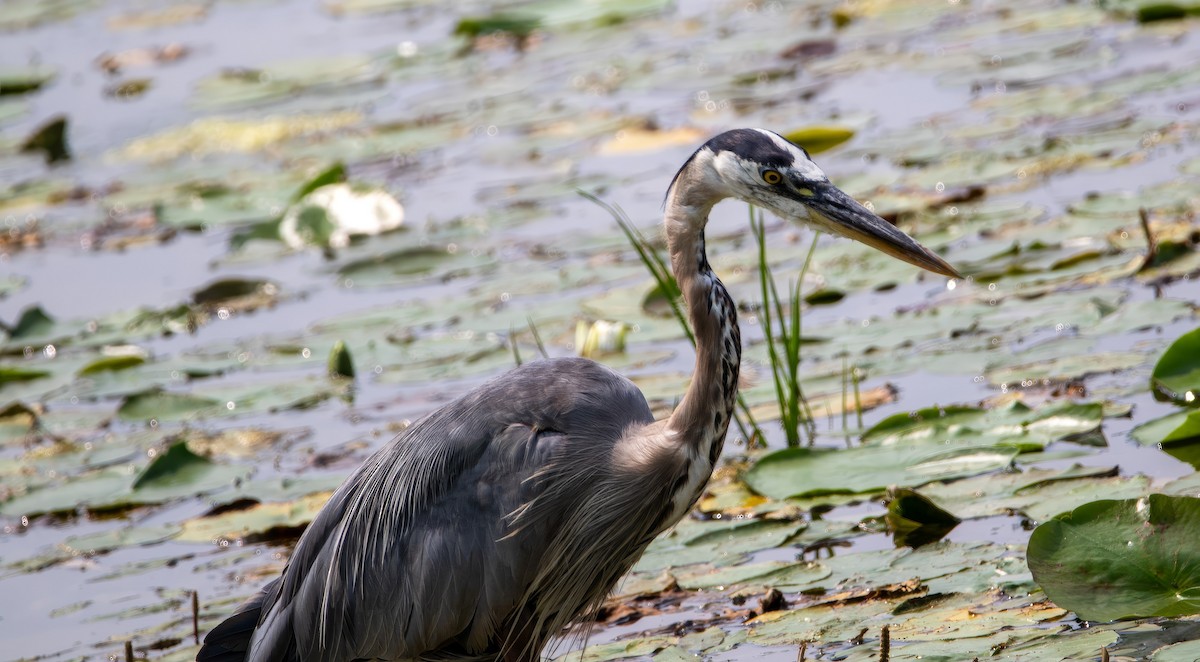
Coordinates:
488 490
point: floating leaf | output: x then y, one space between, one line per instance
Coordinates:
1012 423
915 520
50 139
9 373
1110 560
129 89
824 296
33 323
817 139
1176 376
1188 651
89 488
256 521
16 421
709 577
24 81
1178 434
223 135
519 26
629 141
1165 11
228 288
717 543
161 405
797 472
407 263
16 14
112 364
175 464
334 174
340 363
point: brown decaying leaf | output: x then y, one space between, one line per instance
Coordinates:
135 58
825 405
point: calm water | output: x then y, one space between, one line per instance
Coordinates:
699 47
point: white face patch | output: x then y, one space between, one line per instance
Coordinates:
736 172
801 164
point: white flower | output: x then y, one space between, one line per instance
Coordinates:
330 215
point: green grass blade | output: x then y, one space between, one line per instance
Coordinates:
512 342
537 338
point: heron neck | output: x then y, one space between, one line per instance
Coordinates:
702 417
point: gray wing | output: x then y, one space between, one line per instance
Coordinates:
416 550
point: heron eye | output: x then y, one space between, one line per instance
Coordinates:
771 177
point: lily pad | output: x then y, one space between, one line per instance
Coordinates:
1176 376
798 472
178 467
1178 434
11 373
25 80
329 215
33 323
256 521
1110 560
340 362
112 364
914 520
50 139
817 139
326 75
16 14
1188 651
160 405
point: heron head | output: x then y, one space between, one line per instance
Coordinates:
765 169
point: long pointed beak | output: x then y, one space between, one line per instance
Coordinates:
839 213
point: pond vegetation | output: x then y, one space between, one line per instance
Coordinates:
196 347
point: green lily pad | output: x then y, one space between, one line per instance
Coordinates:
817 139
49 139
1110 560
798 472
1188 651
24 81
1176 376
16 14
254 521
232 290
33 323
112 364
914 520
1151 12
66 497
1178 434
720 543
1066 368
410 263
340 362
156 404
16 421
115 539
705 576
175 466
10 373
280 81
174 472
519 26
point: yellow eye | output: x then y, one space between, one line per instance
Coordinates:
771 177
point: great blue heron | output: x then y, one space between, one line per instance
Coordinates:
491 524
